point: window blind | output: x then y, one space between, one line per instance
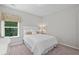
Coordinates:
9 17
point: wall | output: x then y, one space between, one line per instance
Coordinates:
26 20
77 26
63 25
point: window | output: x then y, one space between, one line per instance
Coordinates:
10 29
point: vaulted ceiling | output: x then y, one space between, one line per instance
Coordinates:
40 9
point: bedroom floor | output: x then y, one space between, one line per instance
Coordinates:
59 50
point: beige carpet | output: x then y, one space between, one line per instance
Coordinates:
59 50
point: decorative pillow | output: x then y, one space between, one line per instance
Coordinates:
38 32
29 33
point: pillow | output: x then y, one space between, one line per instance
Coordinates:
29 33
33 32
38 32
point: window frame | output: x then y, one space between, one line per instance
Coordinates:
3 29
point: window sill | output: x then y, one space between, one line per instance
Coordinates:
12 37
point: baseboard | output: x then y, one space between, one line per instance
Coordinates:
70 46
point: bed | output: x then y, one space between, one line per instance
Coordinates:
39 43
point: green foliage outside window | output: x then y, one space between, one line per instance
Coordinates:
11 24
11 28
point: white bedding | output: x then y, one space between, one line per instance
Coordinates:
39 43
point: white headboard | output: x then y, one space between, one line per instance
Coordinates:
29 29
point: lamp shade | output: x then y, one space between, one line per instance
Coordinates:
42 28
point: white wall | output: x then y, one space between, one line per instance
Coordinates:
77 26
26 20
63 25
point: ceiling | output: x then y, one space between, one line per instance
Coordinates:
40 9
